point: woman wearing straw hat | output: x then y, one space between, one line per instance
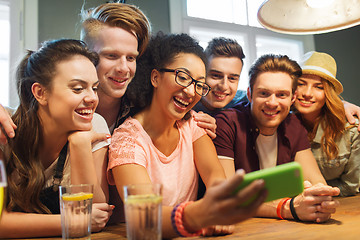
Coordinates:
334 142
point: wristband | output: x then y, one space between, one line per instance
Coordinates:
292 210
279 207
173 219
178 219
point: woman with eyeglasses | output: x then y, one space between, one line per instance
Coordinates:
161 143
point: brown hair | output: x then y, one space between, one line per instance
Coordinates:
24 168
121 15
275 63
224 47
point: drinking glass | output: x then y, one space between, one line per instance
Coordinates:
3 185
75 208
143 211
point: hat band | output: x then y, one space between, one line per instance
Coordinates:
323 70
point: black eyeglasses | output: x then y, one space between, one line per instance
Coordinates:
184 79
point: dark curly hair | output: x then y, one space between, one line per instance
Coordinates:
161 51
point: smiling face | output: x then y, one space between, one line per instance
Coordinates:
173 100
223 77
72 98
271 100
117 49
310 96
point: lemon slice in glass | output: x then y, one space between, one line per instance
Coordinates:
143 199
77 196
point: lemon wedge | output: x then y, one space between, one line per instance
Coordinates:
77 196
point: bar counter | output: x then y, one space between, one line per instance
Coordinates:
344 224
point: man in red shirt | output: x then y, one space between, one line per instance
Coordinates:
262 134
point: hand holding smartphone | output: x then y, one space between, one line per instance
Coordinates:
284 180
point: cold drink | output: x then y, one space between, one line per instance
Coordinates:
143 216
2 198
3 184
76 214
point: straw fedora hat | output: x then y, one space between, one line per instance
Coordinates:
322 65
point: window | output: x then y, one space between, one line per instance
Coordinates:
235 11
4 52
292 48
210 9
19 29
236 19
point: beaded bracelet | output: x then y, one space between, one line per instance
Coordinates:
280 205
292 210
177 220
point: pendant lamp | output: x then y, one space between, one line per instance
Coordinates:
309 16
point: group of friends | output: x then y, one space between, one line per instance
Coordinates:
175 117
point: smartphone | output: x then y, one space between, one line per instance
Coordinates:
285 180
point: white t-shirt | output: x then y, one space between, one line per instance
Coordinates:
99 125
267 149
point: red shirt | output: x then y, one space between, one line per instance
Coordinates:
236 137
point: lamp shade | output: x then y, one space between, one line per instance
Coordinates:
301 17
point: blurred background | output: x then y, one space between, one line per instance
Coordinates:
26 23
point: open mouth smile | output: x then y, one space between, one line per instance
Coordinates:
84 111
220 95
118 80
305 103
181 102
270 113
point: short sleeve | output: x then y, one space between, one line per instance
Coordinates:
225 134
125 148
298 135
99 125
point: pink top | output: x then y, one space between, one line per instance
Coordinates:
177 172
